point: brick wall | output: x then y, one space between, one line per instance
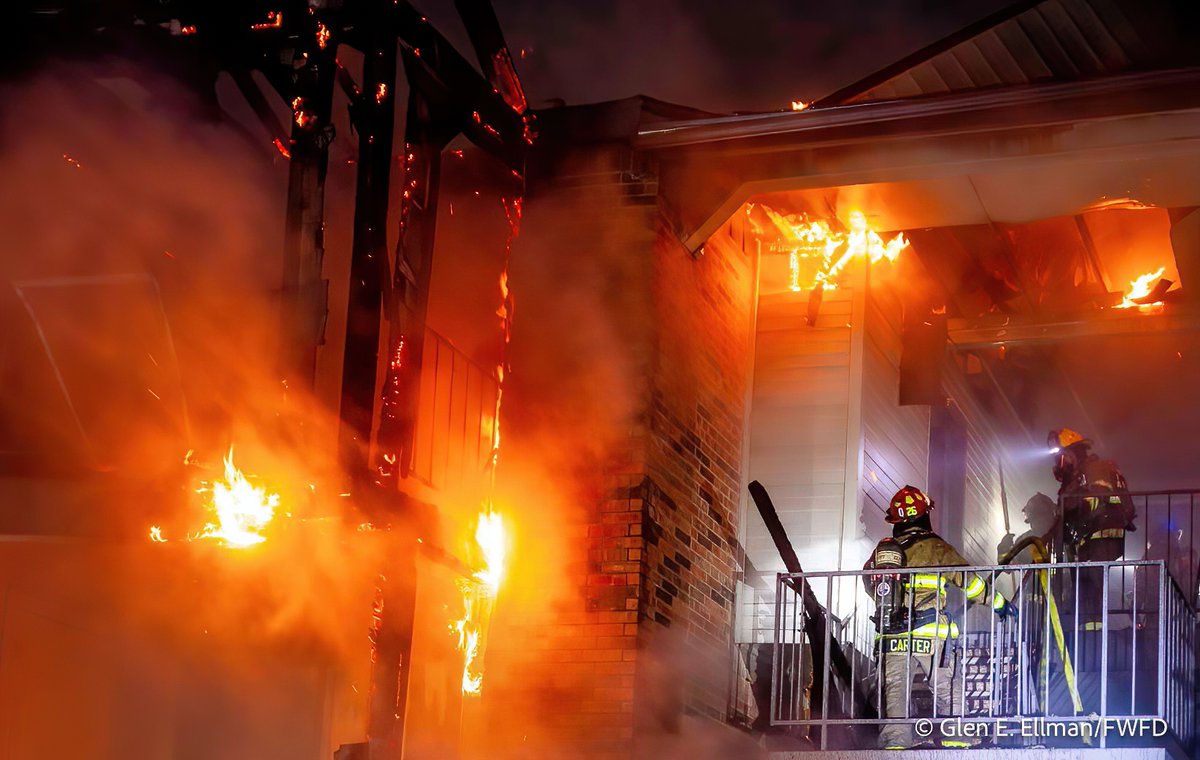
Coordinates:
648 382
690 492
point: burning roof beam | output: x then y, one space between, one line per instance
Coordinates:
447 75
487 38
967 335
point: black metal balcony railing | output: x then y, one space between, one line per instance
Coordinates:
1095 648
1167 528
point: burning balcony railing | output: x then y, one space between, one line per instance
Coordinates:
1100 653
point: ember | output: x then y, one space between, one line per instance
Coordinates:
274 21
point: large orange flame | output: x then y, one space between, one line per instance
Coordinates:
801 238
479 595
241 510
1140 287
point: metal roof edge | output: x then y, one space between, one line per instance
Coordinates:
699 131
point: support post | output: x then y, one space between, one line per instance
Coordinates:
304 299
409 294
373 114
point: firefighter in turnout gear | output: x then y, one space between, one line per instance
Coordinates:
912 624
1096 511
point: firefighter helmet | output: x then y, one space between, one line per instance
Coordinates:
1060 439
909 503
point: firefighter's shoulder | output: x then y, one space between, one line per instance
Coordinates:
931 550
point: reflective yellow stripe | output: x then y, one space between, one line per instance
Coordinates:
975 587
953 743
927 631
1093 626
928 581
1106 533
938 630
998 601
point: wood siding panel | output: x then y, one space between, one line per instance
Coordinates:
895 438
798 423
989 442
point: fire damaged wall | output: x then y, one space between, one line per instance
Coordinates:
630 362
690 492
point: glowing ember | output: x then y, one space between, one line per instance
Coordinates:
479 595
283 149
803 239
241 510
1140 287
274 21
322 35
381 93
799 105
72 161
302 117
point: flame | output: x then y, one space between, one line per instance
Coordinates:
1140 287
479 595
283 149
809 239
242 510
800 105
156 535
381 93
322 35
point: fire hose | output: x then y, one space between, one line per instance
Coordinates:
1042 556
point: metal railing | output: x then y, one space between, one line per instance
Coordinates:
1094 648
1166 528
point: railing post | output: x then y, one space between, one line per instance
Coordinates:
779 603
1104 657
1163 588
825 664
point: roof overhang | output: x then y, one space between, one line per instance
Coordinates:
709 167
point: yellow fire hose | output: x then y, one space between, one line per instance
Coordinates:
1041 556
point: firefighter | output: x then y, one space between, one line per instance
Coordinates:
1041 515
1097 512
911 621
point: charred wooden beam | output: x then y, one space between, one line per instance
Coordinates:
968 335
425 135
482 113
373 116
304 290
479 17
816 623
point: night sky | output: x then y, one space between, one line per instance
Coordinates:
748 55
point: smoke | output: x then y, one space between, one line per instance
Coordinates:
141 267
756 55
